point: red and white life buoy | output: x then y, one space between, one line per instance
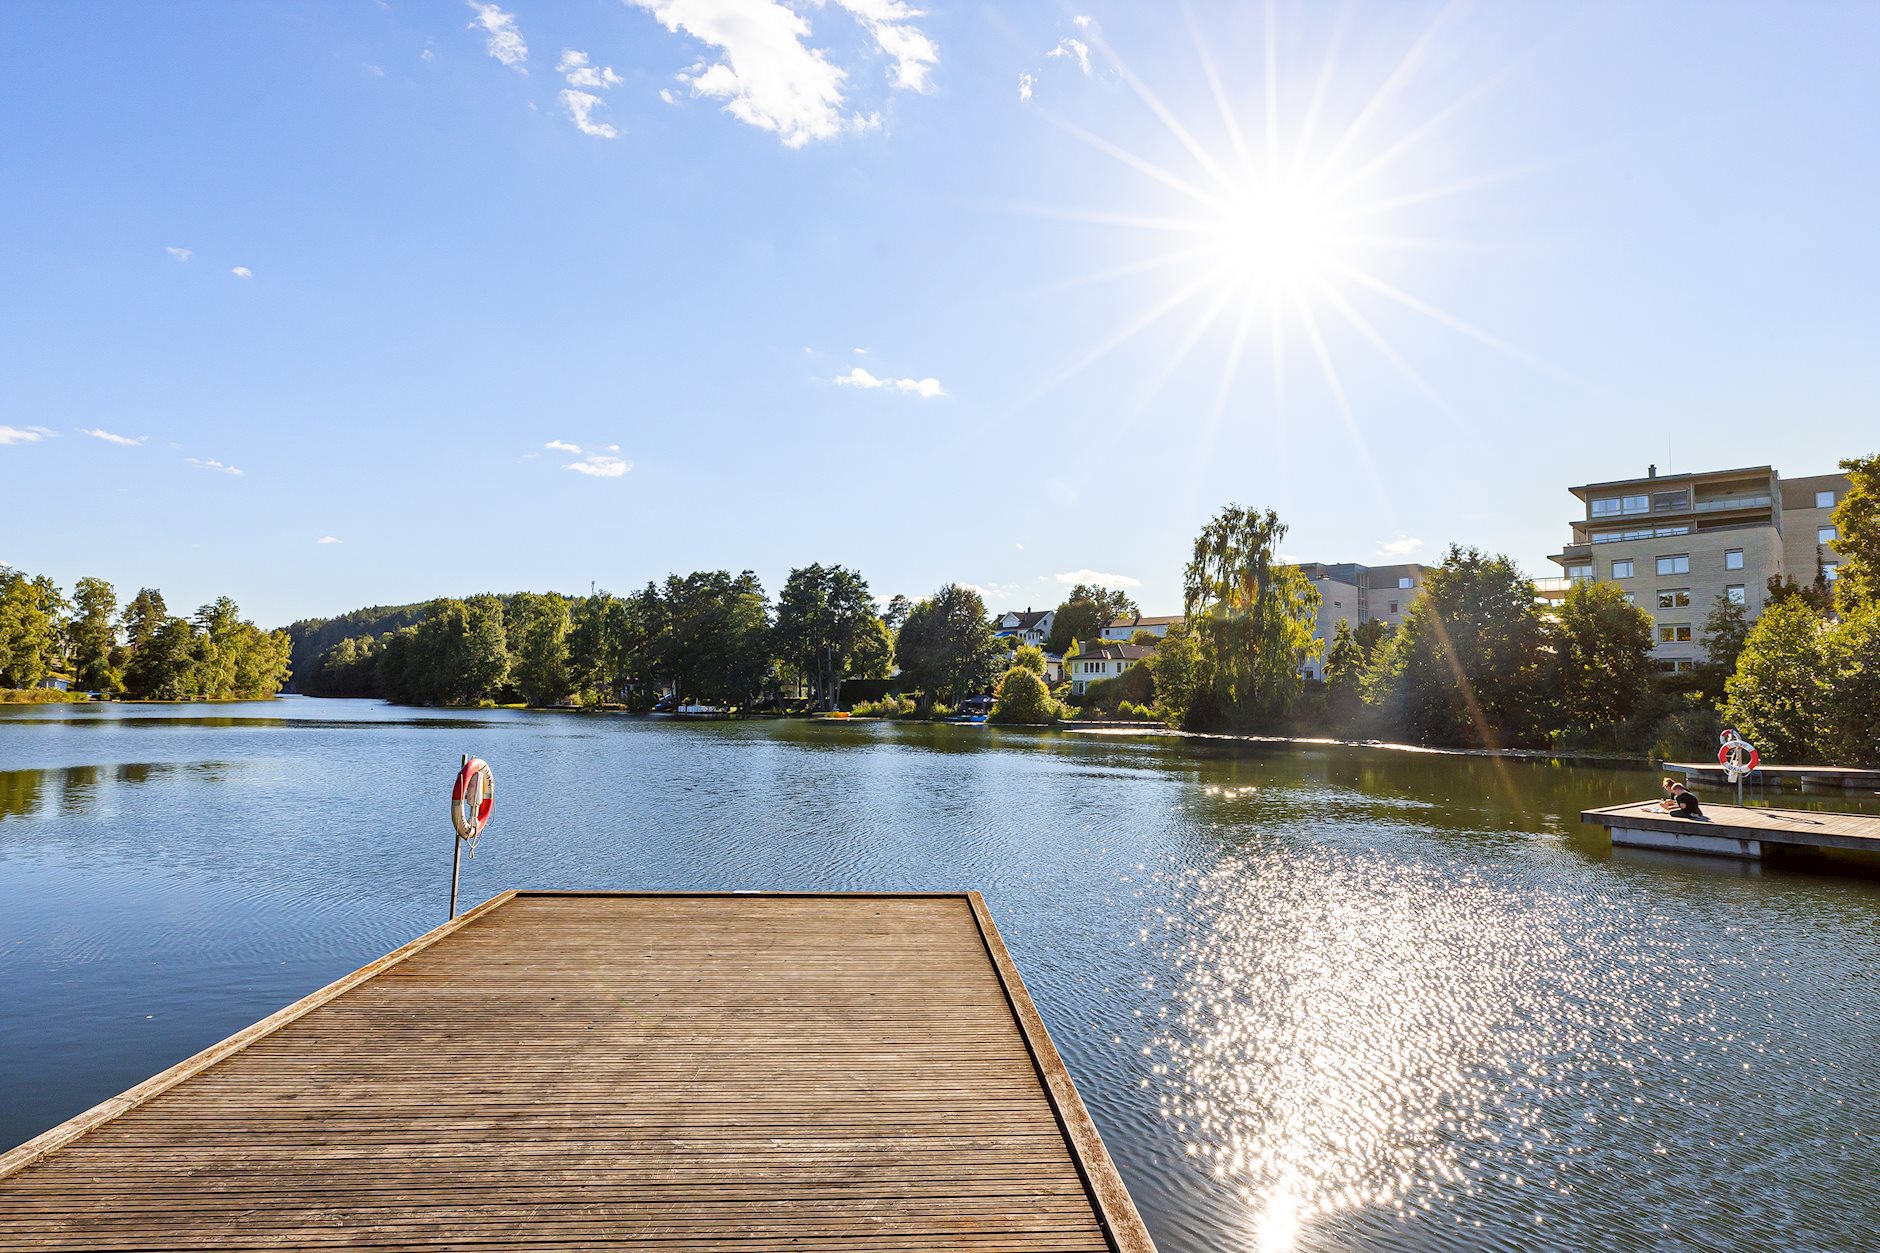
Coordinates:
1738 756
473 799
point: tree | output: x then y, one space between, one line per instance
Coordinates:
30 609
946 646
1023 698
874 652
144 617
823 616
539 666
1779 696
1252 617
1179 672
1602 658
1465 666
1725 629
896 613
1857 527
710 638
1029 657
1817 594
1851 657
1084 614
164 666
93 638
1344 672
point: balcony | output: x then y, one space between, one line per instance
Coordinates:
1554 588
1723 503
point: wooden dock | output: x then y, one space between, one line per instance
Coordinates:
1851 777
561 1071
1729 831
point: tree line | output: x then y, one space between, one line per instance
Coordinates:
142 652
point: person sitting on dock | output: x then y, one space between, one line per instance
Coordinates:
1680 800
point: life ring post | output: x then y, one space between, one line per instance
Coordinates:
456 847
472 802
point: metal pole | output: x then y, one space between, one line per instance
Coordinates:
456 854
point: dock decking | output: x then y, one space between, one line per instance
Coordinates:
1852 777
1729 831
612 1070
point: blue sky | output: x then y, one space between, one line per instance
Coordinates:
378 258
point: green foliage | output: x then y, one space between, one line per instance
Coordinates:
1466 666
92 637
1851 659
887 707
1023 698
826 625
1029 657
1818 595
1178 671
538 642
312 637
1252 617
946 647
1687 733
1779 696
30 609
1857 523
1726 626
1345 663
1602 652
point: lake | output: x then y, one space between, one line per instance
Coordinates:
1315 997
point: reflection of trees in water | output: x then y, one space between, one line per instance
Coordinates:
19 791
24 792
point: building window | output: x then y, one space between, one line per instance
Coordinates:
1680 564
1393 606
1584 571
1605 505
1622 569
1826 535
1734 593
1631 599
1824 500
1830 570
1732 559
1405 582
1674 598
1674 632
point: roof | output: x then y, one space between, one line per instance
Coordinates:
1110 650
1668 479
1141 620
1027 619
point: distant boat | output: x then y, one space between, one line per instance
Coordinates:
973 719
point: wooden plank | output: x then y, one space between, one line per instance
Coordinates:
1775 826
590 1070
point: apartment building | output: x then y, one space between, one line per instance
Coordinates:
1358 594
1676 542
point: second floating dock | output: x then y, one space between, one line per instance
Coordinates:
1730 831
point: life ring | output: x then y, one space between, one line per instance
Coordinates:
1727 756
473 799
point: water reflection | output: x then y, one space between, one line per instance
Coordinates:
30 793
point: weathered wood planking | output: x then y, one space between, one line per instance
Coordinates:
612 1070
1746 825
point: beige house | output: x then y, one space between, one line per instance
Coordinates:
1104 660
1124 628
1358 594
1675 542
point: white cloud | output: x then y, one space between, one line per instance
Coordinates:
580 106
505 41
31 435
328 539
124 440
768 78
1073 48
666 95
580 72
1097 577
181 254
563 446
613 448
426 55
1402 546
1082 20
601 467
242 271
375 71
213 464
1024 86
914 54
861 352
926 388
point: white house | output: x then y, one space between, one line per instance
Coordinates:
1123 628
1028 627
1104 661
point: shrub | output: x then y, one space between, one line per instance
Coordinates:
886 707
1022 698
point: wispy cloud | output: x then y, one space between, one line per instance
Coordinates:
375 71
505 41
181 254
581 106
581 72
767 77
914 54
1025 82
1073 48
1402 546
1097 577
328 539
579 98
28 435
600 466
242 271
212 464
125 440
560 445
926 388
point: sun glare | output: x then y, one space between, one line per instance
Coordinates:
1276 236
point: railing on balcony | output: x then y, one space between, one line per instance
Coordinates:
1733 502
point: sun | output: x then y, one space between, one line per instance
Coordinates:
1277 235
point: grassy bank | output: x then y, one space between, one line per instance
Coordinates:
40 696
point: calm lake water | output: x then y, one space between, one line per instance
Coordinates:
1315 998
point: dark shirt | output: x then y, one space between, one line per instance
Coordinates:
1686 806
